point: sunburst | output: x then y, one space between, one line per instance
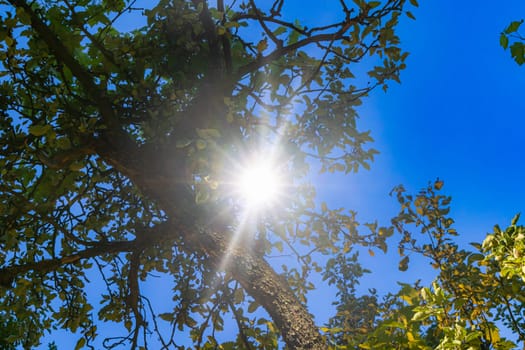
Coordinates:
259 184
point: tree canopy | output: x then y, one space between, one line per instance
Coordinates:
125 134
120 148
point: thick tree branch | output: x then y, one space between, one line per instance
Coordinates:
253 272
8 274
147 237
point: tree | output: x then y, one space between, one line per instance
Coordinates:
117 152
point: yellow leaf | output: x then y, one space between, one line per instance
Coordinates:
262 45
410 337
492 333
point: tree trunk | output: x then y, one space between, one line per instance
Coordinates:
255 275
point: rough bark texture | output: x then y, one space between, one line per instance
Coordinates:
273 293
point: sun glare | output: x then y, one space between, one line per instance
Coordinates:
259 184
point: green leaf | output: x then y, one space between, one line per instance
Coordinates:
80 344
513 27
294 37
474 257
504 41
167 316
238 296
403 264
22 16
39 130
410 15
515 219
253 306
232 25
279 31
517 51
9 41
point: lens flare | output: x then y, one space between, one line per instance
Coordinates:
259 184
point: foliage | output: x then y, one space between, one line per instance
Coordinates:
511 38
117 149
476 298
117 152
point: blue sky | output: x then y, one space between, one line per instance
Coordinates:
457 115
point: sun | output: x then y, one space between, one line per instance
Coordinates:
259 184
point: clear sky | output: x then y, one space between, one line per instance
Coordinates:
458 115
